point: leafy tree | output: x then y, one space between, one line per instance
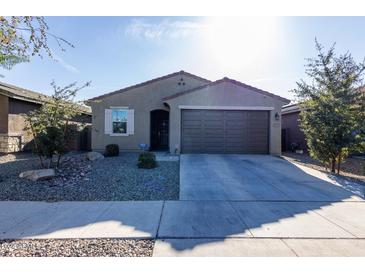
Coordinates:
24 36
333 106
50 124
20 38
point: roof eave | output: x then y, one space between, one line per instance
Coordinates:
34 101
22 98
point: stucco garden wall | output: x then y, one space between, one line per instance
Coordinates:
10 143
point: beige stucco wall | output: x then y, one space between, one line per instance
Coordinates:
143 100
229 95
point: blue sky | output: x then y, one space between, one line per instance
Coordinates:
115 52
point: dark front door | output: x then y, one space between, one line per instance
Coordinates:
159 130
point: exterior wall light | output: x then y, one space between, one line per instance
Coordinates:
277 116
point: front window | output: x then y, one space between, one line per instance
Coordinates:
119 118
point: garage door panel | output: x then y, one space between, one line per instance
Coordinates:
234 141
234 131
193 131
235 115
257 132
214 141
192 123
193 135
225 131
213 114
257 140
192 140
192 113
235 124
213 132
213 124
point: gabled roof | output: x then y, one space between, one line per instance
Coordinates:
235 82
150 82
22 94
30 96
290 108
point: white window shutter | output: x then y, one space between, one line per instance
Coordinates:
108 121
130 121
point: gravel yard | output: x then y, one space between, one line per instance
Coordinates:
352 168
76 248
109 179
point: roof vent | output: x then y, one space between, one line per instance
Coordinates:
181 82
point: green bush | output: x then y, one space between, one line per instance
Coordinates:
147 160
111 150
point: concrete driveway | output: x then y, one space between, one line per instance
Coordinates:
246 205
254 178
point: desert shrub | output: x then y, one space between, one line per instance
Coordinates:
50 125
111 150
147 160
332 104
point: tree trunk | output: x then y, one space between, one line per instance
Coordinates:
333 166
50 161
338 166
36 145
339 163
58 160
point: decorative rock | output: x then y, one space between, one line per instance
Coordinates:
38 174
92 156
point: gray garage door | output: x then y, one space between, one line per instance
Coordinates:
225 131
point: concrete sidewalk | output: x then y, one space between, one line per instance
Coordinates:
37 220
199 228
256 247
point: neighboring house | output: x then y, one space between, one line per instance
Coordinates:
291 132
16 101
291 135
184 113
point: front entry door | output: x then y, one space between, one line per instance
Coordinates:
159 130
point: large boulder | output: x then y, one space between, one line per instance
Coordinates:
38 174
93 156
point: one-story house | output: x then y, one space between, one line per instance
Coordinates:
291 134
185 113
16 101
